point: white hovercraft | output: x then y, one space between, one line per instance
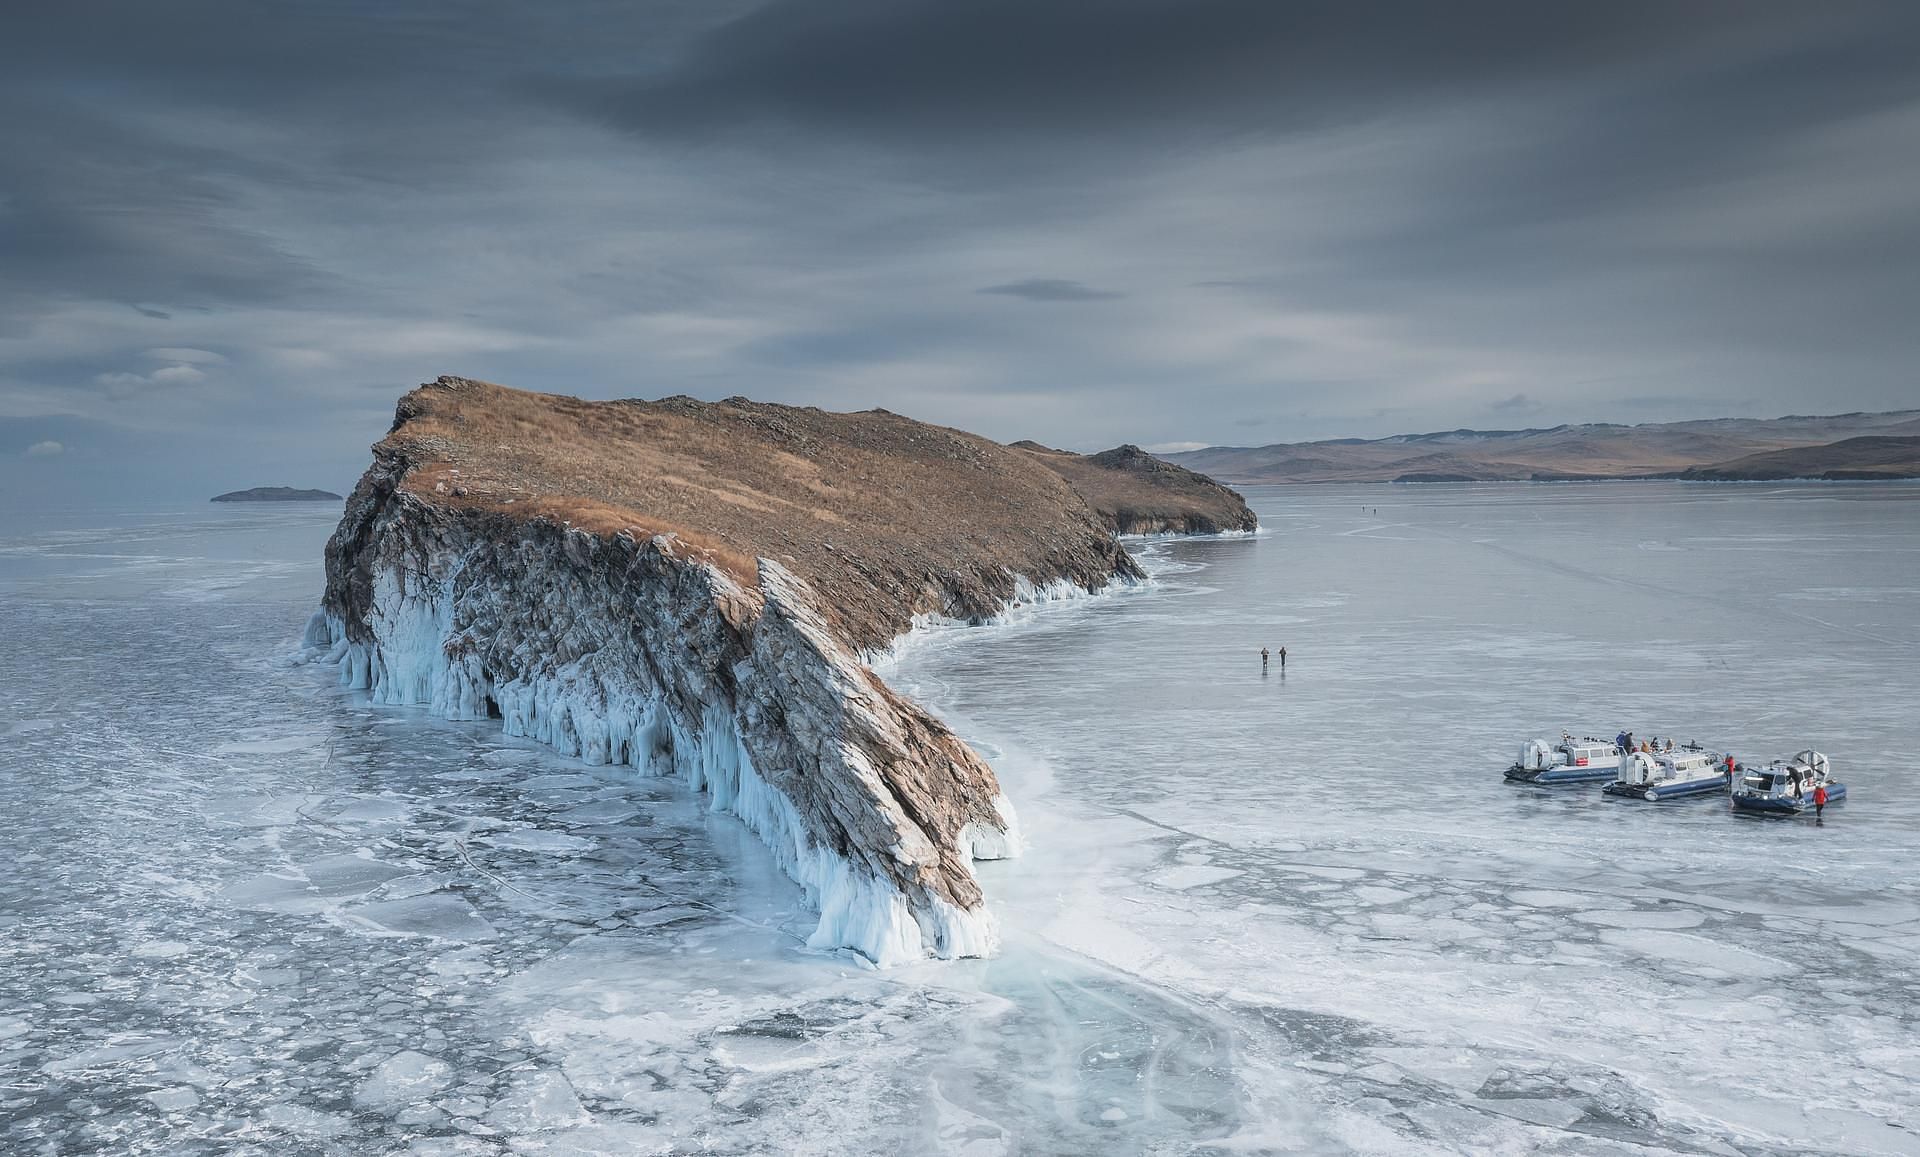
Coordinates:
1658 775
1785 786
1568 761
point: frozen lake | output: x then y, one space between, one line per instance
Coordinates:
244 912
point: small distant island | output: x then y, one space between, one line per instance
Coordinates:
278 494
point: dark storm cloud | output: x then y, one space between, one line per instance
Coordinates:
136 132
1051 289
95 209
224 217
940 75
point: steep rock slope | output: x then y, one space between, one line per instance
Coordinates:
1136 493
688 588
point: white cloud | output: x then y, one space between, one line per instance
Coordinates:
45 449
176 374
184 354
125 385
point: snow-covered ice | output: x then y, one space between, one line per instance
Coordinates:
248 912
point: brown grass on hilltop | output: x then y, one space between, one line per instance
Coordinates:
884 516
1137 493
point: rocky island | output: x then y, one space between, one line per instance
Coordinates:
276 494
693 588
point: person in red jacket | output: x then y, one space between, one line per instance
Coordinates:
1819 800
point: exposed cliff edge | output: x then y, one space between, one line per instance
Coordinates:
1134 492
688 588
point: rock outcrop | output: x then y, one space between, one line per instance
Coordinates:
1134 492
689 588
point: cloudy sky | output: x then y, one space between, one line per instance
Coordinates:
232 232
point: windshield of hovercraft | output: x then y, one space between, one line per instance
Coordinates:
1760 782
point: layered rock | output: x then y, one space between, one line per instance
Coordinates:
688 588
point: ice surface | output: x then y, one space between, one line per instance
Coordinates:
1256 915
537 1103
405 1078
1191 876
442 917
598 813
535 840
303 1121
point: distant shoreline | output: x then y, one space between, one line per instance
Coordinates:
1557 481
1837 448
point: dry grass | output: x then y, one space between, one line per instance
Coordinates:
870 508
1131 489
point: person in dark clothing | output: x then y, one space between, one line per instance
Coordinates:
1263 660
1283 658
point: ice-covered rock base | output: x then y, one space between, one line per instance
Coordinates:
639 652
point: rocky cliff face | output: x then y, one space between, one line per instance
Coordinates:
688 589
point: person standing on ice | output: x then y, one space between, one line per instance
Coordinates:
1263 660
1819 800
1283 660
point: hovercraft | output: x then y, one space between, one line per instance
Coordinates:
1658 775
1785 786
1569 761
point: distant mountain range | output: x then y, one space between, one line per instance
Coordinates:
1719 449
